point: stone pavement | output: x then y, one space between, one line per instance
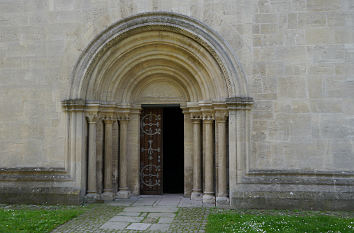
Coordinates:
165 213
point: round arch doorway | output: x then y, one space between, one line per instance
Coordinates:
156 58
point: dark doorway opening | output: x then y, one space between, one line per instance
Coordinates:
173 153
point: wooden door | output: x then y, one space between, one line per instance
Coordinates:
151 151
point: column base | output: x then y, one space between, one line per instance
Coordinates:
91 197
222 201
107 196
123 194
209 198
196 196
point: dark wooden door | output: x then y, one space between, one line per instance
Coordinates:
151 151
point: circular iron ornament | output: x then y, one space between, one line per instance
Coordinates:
150 175
148 126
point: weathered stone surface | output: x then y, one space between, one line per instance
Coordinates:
126 219
138 226
296 55
159 227
114 225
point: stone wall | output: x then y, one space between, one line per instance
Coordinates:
297 56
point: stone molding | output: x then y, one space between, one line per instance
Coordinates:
221 112
201 110
191 28
342 178
239 103
34 174
100 111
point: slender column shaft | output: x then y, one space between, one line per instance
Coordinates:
108 157
115 146
123 178
222 189
91 184
209 163
197 175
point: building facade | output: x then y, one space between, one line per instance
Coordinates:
235 102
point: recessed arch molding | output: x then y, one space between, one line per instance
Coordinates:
157 58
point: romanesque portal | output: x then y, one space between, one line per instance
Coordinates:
153 60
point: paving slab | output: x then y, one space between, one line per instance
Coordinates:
126 219
190 203
145 202
159 227
150 220
138 226
133 214
156 215
165 220
141 218
114 225
122 202
157 209
168 202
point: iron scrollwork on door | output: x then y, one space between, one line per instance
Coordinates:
150 124
150 175
151 152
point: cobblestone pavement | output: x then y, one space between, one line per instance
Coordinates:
166 213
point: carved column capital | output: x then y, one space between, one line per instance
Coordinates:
208 116
123 116
207 112
221 115
93 117
195 114
109 118
124 112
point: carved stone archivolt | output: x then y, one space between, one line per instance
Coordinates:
159 58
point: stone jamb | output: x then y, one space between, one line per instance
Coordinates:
188 151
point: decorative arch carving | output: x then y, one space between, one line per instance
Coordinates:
156 58
195 36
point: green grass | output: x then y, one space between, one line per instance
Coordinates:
294 223
36 218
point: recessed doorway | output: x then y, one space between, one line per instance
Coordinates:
161 150
173 150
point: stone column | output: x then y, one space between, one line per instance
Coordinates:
220 120
133 151
208 196
123 164
108 172
91 183
197 173
99 155
115 156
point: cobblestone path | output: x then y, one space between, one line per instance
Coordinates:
166 213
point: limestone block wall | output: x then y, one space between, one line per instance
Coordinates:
297 56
